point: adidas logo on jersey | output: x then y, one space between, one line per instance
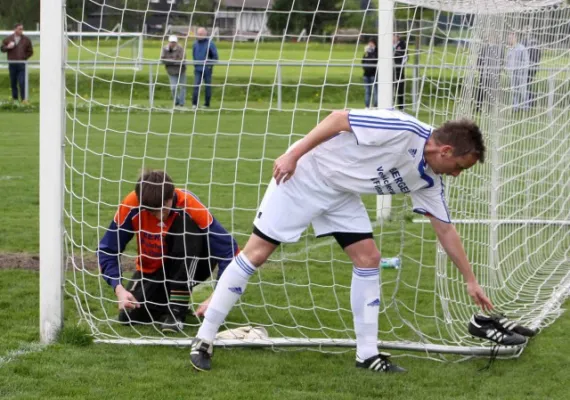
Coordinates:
236 290
413 152
374 303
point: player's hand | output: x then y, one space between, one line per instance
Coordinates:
203 307
479 297
284 168
126 299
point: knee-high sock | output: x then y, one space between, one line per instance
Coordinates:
230 287
365 304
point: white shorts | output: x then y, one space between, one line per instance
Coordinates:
287 209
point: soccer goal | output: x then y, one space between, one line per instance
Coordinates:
503 63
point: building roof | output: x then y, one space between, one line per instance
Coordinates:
258 4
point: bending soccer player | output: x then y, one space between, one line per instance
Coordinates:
179 244
319 180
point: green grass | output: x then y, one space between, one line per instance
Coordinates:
314 85
225 156
75 369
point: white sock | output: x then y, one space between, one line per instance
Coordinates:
365 304
229 289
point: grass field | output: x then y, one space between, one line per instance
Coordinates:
224 169
225 155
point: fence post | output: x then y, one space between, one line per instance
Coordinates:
415 103
150 86
279 84
550 95
26 81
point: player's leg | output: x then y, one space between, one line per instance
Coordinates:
22 81
13 70
367 91
184 241
196 88
173 79
208 85
402 88
303 197
148 290
350 225
182 89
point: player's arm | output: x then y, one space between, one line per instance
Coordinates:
111 246
5 43
29 50
334 123
451 242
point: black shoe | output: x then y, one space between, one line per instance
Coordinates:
171 323
488 328
379 363
201 354
512 326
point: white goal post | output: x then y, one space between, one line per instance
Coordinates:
99 127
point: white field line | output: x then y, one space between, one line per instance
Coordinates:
26 349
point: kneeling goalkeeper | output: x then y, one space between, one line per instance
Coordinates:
179 244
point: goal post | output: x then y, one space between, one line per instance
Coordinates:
52 130
100 127
385 78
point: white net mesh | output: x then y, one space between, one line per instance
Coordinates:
282 69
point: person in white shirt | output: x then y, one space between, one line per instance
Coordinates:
518 65
319 180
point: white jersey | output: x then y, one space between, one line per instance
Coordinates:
383 155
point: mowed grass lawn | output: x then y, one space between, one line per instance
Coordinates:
228 171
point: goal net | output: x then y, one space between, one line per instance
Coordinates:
283 66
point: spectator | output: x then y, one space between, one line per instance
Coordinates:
203 51
518 62
370 61
19 48
400 59
535 55
173 57
489 64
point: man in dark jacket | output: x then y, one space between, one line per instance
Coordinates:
370 61
400 58
19 49
203 52
535 55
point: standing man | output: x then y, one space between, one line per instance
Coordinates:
400 59
534 55
173 57
19 48
204 50
370 61
489 63
319 181
518 63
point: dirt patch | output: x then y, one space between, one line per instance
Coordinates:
32 262
19 261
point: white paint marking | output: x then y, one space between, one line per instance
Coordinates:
10 177
26 349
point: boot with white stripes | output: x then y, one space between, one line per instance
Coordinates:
379 363
512 325
488 328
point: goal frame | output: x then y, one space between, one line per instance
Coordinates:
52 141
52 133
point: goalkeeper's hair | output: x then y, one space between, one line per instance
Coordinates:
464 136
154 188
